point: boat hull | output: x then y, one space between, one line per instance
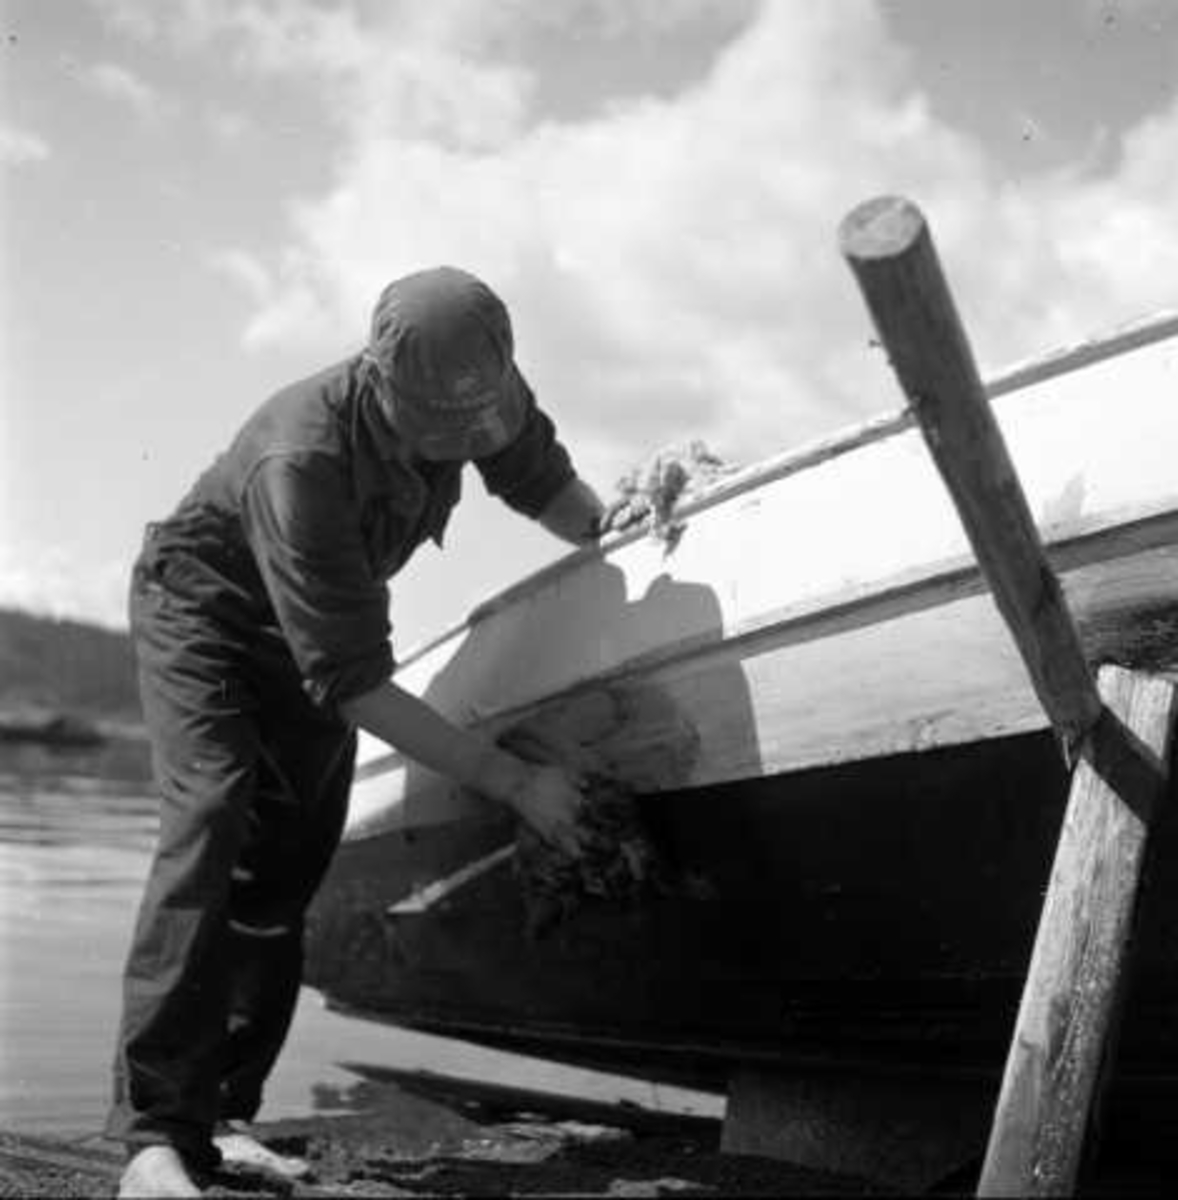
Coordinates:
824 608
879 916
833 739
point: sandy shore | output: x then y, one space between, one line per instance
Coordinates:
434 1140
530 1157
409 1144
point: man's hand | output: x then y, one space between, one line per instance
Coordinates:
547 797
549 801
574 514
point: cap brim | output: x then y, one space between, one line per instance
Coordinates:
484 428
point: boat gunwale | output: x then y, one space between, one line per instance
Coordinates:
1134 335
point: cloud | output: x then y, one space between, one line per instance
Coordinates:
277 309
278 33
19 146
227 126
131 17
124 87
665 260
671 259
246 270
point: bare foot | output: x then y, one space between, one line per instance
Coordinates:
156 1171
239 1148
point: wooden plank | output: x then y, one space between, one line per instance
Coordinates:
888 246
1075 981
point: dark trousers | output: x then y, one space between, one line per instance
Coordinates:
253 781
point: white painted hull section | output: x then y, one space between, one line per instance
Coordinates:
824 607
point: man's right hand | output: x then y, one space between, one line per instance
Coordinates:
549 801
547 797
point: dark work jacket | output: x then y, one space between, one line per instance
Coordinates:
296 529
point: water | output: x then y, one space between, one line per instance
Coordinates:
73 857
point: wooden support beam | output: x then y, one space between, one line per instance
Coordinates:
1065 1024
1119 732
887 244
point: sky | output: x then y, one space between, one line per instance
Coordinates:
201 199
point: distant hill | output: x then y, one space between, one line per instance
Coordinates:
69 702
67 666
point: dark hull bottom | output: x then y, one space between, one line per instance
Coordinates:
873 915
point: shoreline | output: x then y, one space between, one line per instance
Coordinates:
413 1145
433 1136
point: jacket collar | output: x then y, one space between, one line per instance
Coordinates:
382 461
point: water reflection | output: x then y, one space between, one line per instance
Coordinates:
73 857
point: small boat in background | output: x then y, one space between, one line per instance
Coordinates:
49 728
831 733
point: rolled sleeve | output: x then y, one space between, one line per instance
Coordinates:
530 472
333 611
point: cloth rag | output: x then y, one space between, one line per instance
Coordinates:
619 863
650 493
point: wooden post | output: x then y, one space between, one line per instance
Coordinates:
887 244
1120 733
1066 1021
